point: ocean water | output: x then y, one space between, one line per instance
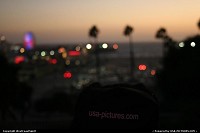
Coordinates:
140 50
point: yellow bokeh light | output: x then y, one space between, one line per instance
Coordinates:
22 50
64 54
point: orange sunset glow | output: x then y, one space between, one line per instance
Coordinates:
66 21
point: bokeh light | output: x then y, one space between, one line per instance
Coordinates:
78 48
43 53
181 44
105 45
142 67
115 46
22 50
193 44
88 46
153 72
52 52
67 75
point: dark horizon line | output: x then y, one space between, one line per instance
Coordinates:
84 43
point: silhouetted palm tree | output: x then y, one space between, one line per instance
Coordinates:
93 32
161 33
169 43
127 32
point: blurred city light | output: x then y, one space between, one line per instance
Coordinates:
193 44
181 44
67 75
64 55
53 61
105 45
88 46
84 51
22 50
78 48
47 58
74 53
115 46
29 41
43 53
61 50
19 59
3 38
67 62
52 52
16 48
153 72
142 67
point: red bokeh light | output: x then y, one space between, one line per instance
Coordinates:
53 61
67 75
115 46
74 53
142 67
153 72
19 59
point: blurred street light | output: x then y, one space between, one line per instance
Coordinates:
193 44
3 38
115 46
142 67
22 50
67 75
181 44
105 45
88 46
52 52
78 48
43 53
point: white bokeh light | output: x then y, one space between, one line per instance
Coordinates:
193 44
88 46
105 45
52 52
181 44
43 53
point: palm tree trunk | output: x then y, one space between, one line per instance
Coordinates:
131 58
